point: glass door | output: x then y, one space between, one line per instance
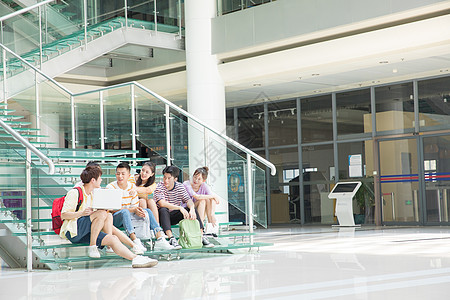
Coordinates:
399 180
436 160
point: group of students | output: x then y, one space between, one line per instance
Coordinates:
163 204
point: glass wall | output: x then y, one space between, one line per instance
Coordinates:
436 152
317 119
318 174
396 154
251 126
353 114
434 104
395 108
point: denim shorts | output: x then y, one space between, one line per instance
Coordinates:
84 233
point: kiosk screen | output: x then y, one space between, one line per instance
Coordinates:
344 188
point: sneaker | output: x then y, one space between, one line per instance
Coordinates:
143 262
206 243
163 244
93 252
138 248
109 250
173 242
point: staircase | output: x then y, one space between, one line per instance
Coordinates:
72 129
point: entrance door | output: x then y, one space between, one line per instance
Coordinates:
399 180
436 159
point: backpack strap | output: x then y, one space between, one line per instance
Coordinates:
80 197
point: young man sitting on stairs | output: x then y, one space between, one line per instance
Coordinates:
83 225
174 202
130 205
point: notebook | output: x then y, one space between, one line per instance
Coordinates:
107 199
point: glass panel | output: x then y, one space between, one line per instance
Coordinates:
353 114
318 175
251 126
150 127
399 180
181 133
231 5
55 116
117 112
230 124
434 104
352 167
19 34
282 120
395 108
317 120
87 121
284 186
437 177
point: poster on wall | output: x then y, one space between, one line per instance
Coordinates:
355 165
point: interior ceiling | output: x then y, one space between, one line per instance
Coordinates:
410 51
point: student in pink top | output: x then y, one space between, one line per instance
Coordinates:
204 199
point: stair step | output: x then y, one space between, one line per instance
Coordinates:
24 221
6 109
34 233
17 122
24 208
12 117
7 135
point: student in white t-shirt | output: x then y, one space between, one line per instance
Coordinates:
130 205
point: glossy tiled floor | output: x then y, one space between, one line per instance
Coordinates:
304 263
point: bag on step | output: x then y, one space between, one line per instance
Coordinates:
57 206
190 234
141 226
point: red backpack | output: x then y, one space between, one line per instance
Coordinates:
57 207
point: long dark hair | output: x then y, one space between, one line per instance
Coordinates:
151 180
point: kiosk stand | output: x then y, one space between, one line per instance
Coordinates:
343 192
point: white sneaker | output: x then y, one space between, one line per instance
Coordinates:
138 248
93 252
109 250
163 244
143 262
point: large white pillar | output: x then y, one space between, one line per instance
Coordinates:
205 98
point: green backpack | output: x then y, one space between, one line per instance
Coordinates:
190 234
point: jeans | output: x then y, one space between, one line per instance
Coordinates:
123 218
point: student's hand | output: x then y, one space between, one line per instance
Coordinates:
139 212
184 212
87 212
192 214
216 199
133 192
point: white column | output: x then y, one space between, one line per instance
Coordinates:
205 98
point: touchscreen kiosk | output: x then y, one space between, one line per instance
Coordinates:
343 192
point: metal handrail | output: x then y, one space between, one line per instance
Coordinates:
21 11
27 144
35 69
226 138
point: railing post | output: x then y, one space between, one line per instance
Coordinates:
85 23
38 106
72 121
179 18
5 100
155 16
205 146
126 13
250 196
169 158
28 209
40 37
133 121
102 122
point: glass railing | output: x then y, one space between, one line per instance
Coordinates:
228 6
42 32
132 116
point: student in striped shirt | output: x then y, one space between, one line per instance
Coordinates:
175 204
130 205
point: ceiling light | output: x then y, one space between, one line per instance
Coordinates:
257 84
383 62
394 71
315 74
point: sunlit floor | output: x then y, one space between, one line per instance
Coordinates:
304 263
